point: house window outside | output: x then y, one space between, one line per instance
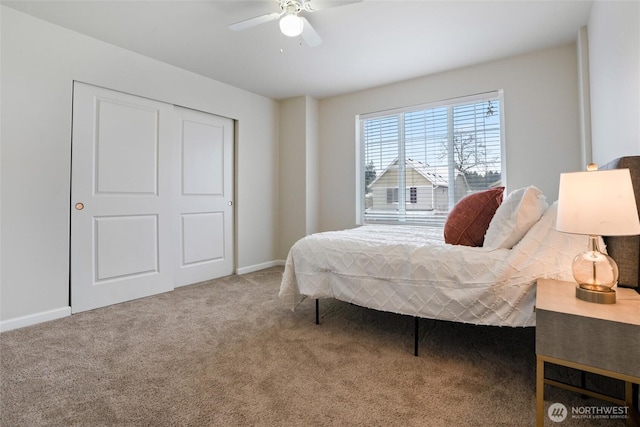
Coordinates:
413 195
438 153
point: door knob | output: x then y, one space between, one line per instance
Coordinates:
79 206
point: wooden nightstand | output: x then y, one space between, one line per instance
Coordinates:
603 339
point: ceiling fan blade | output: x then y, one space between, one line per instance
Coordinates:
252 22
315 5
309 34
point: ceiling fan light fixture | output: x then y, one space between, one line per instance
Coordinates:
291 25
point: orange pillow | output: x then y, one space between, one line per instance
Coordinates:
469 219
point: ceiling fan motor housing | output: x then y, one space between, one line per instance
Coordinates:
291 6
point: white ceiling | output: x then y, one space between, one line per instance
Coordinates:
364 45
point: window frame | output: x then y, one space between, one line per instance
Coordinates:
450 102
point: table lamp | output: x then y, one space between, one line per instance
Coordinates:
597 203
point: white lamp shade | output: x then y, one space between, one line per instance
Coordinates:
598 203
291 25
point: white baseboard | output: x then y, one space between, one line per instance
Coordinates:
45 316
33 319
257 267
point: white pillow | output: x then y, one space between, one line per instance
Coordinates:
514 217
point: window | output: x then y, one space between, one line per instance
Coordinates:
413 195
417 162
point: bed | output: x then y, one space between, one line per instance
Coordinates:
412 271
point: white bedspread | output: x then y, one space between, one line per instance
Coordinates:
410 270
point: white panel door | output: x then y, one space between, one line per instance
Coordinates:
121 189
204 200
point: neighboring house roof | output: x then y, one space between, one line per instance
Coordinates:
424 170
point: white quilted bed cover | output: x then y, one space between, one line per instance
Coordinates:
410 270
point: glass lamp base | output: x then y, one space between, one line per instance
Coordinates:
596 273
601 297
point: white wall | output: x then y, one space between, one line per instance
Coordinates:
293 209
313 167
584 95
540 110
298 170
39 63
614 67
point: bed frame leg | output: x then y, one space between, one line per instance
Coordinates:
415 336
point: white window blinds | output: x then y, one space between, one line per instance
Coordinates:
418 162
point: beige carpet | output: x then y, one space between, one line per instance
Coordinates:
227 353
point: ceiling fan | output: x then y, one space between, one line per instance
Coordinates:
291 24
